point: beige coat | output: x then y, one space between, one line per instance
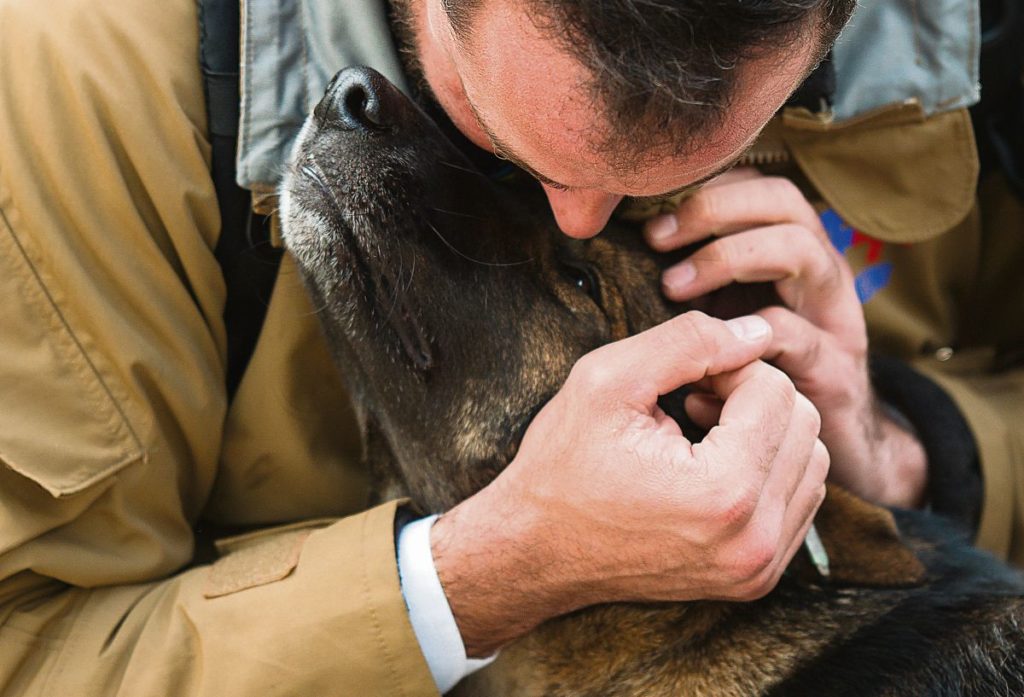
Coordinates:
116 435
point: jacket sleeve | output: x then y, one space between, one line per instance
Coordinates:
307 609
113 410
954 487
992 402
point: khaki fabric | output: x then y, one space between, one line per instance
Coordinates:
116 437
893 172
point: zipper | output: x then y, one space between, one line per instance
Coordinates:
762 158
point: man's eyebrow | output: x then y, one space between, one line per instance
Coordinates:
504 152
694 185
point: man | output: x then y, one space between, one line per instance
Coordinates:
118 436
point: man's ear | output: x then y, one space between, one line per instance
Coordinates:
863 544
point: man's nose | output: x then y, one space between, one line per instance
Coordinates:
581 213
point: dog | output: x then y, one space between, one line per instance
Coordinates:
455 310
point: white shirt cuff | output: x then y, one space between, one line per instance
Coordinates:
431 616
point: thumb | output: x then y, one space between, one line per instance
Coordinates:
683 350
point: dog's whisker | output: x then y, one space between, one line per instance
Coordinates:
462 168
396 288
457 214
412 272
450 246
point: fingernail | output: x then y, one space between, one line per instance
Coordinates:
680 276
662 227
750 327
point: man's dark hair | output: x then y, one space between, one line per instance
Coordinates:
665 67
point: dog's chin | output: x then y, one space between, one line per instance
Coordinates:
342 256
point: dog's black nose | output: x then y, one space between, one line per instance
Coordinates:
356 99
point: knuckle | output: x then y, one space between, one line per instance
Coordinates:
764 583
813 353
704 209
756 589
826 271
696 335
736 509
592 374
722 254
821 462
779 386
857 345
692 323
808 413
784 189
820 495
756 561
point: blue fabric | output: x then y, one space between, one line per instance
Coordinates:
894 50
290 51
872 278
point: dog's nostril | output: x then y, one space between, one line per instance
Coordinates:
355 102
361 106
358 99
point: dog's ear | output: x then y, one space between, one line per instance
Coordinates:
863 544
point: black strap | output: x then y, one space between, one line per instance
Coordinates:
247 259
999 117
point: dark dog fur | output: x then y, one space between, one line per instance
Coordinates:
456 309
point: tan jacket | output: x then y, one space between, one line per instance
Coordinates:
115 431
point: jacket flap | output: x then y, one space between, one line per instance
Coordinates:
893 174
63 421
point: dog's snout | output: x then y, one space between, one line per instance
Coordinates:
356 99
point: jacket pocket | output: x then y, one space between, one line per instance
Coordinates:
61 423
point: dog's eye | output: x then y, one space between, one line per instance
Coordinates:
584 279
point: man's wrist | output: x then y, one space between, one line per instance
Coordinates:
954 482
492 570
906 476
429 612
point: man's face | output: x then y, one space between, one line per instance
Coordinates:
513 90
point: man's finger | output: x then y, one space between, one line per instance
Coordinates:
809 276
756 414
678 352
804 503
805 352
795 455
733 207
703 409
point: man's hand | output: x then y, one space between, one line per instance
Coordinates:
606 500
766 231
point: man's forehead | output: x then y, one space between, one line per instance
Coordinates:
533 100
